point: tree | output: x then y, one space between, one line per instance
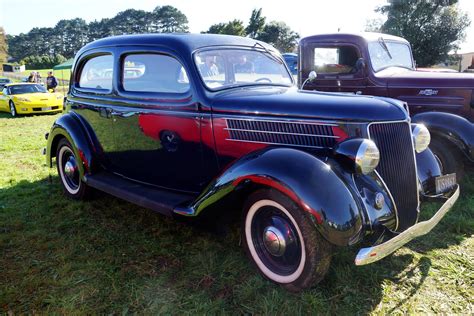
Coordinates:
279 35
235 27
3 47
434 28
256 23
68 36
171 20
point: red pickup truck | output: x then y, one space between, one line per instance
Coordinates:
383 65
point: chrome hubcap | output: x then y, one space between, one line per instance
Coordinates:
69 169
274 241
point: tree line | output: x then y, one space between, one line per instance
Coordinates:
434 28
68 36
276 33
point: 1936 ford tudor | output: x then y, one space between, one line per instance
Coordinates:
182 123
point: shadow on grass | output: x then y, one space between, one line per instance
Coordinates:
106 255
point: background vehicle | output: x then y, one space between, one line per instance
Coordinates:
29 98
215 122
3 82
382 65
291 61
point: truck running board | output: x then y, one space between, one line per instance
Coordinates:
160 200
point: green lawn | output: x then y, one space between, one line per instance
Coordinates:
108 256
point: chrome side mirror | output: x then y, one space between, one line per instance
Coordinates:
311 76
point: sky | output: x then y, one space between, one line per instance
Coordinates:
305 17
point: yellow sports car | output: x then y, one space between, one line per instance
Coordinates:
29 98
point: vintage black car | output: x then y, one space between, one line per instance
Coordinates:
183 123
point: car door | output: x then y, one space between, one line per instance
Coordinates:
336 66
156 122
4 99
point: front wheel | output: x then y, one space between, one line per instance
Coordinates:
13 109
68 171
282 241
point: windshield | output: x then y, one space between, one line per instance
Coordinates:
384 54
224 68
4 80
27 88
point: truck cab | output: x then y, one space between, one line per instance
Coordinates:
383 65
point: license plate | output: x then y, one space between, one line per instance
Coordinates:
445 183
46 108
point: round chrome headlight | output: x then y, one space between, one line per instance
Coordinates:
367 157
421 137
358 155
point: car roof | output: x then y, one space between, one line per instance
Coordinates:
187 41
365 36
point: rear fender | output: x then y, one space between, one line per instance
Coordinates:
308 181
455 129
70 127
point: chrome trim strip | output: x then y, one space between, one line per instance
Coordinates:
272 132
258 142
286 121
375 253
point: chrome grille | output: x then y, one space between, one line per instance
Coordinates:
397 168
312 135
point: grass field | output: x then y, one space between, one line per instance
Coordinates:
107 256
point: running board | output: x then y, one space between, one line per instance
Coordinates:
160 200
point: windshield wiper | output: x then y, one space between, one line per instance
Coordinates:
384 46
269 52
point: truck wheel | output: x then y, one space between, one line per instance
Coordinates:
68 172
282 242
448 156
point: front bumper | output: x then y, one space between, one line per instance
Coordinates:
38 108
375 253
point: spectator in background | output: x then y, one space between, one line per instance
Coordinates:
209 67
38 77
244 66
51 82
32 77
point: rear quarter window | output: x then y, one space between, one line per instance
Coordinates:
97 73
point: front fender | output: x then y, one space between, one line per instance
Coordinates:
69 126
428 169
307 180
456 129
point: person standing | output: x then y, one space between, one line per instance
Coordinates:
51 82
32 77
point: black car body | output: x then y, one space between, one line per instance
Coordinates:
182 123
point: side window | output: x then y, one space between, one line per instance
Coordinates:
335 60
97 73
5 91
153 73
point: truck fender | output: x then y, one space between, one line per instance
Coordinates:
308 181
70 127
453 128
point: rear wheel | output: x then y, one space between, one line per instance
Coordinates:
68 171
13 109
282 241
448 156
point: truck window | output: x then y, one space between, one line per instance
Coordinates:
335 60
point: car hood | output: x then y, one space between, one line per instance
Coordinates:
38 97
435 80
293 103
